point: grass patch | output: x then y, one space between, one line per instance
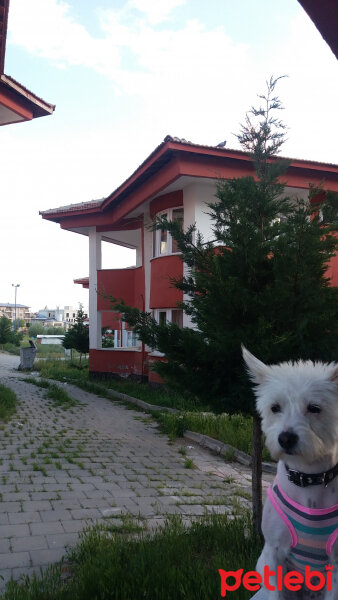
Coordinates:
10 348
54 392
175 562
50 350
71 372
8 402
60 397
235 430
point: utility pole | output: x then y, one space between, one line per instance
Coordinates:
15 286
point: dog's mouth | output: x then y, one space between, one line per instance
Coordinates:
290 452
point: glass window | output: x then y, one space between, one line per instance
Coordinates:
177 317
163 243
164 238
162 317
177 216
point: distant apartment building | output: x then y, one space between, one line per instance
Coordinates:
22 311
56 317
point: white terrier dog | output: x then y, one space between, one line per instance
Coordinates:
298 403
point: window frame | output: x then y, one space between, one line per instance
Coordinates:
169 314
157 234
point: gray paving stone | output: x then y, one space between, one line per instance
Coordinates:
55 515
24 517
85 513
46 528
4 546
13 530
74 526
37 505
4 519
61 540
15 559
7 507
32 542
44 557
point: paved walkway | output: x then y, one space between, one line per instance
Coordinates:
95 462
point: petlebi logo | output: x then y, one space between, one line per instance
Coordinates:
292 580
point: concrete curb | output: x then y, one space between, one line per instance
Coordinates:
226 450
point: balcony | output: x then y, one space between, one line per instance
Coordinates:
125 284
163 294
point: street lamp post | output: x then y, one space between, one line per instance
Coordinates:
15 286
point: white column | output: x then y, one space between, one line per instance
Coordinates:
148 245
94 265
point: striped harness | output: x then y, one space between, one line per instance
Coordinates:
313 530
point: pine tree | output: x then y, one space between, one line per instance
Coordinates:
77 337
261 282
6 330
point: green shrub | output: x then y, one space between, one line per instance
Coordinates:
8 401
11 348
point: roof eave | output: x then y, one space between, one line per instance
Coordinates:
171 147
40 107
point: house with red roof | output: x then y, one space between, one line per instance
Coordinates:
17 103
178 180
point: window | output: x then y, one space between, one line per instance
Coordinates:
163 243
177 317
162 317
169 315
125 338
177 215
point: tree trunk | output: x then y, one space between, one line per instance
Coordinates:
257 475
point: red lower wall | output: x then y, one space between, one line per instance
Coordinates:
152 376
117 362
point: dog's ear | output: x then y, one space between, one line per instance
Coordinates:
334 376
256 368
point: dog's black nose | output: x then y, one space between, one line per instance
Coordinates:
288 440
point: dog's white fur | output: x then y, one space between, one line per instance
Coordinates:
295 386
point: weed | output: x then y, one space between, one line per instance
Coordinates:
8 403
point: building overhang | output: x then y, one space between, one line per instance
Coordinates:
19 104
170 162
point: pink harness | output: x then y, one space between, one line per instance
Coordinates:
313 530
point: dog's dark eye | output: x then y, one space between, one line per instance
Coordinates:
313 408
275 408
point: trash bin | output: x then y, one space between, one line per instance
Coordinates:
27 356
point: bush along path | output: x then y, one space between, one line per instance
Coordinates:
64 465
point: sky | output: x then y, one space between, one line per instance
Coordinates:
123 74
